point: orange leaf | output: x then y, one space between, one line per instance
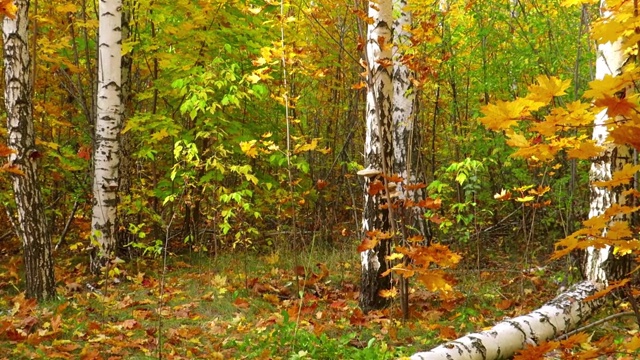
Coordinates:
447 333
5 150
435 281
375 187
536 352
620 177
502 195
504 304
13 169
367 244
8 8
417 186
626 134
389 294
430 203
241 303
609 288
358 86
615 106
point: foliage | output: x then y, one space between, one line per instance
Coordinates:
245 305
214 167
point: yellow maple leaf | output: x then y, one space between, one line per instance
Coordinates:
505 114
579 114
619 230
550 126
626 134
391 293
633 344
394 256
249 148
626 247
610 31
541 152
606 86
516 140
435 281
547 88
620 177
564 247
306 147
585 150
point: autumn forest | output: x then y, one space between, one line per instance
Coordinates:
297 179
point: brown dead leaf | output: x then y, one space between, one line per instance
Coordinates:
241 303
504 304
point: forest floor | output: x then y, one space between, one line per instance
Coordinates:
251 306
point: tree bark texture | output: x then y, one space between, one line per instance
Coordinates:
504 339
598 262
378 150
406 136
106 155
32 223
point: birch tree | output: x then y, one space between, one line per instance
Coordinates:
568 309
31 224
378 154
609 62
406 135
108 124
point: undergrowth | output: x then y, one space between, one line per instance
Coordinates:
251 306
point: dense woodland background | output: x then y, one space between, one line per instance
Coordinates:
222 221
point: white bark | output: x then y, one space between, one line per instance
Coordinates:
406 136
31 224
107 131
403 97
378 148
609 62
509 336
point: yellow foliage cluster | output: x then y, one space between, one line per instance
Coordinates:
542 125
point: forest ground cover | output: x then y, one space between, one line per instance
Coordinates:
249 304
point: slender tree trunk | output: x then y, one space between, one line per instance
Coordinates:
32 224
378 152
610 61
107 132
406 135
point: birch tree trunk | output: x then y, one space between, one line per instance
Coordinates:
31 218
568 309
378 151
406 135
509 336
610 61
106 155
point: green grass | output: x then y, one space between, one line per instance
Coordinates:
249 306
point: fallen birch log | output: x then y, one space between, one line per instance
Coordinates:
503 340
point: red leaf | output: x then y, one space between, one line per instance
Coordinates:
84 152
